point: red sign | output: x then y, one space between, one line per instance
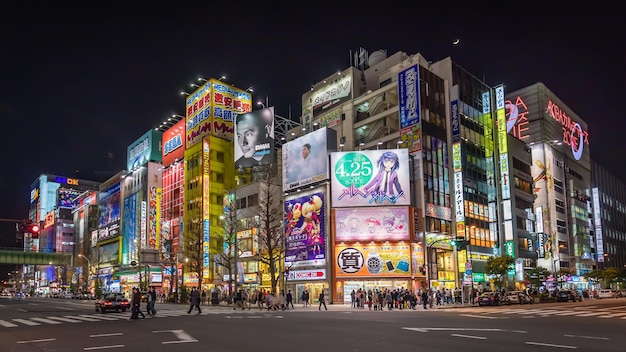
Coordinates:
173 147
517 118
573 134
319 274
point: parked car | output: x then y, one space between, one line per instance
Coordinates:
606 293
568 295
492 299
112 301
19 295
518 297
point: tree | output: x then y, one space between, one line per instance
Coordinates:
270 222
537 275
499 267
230 227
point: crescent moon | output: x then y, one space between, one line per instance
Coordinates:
456 41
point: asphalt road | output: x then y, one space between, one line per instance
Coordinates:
37 324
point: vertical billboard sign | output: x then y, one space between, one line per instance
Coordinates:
370 178
206 206
227 103
305 159
174 143
254 143
305 237
129 247
109 220
197 115
144 223
409 105
146 148
154 218
597 223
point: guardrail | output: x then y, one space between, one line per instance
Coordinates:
19 256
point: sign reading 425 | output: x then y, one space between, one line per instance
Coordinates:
353 169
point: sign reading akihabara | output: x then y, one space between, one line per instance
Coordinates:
372 224
370 178
373 260
305 241
409 107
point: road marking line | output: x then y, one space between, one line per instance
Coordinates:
585 307
531 311
97 316
469 336
102 347
26 322
178 341
588 337
22 310
67 320
105 335
482 316
65 308
549 312
255 317
34 304
613 315
549 345
590 314
81 318
35 341
568 313
528 317
47 321
6 324
614 308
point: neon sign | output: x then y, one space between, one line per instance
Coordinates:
517 118
573 134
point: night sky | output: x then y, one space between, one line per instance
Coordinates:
79 84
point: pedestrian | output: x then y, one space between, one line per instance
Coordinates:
425 298
203 296
151 301
303 298
136 305
194 301
322 299
290 300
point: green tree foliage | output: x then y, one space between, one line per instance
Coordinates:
499 267
537 275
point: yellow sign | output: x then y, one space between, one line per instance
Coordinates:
502 143
49 220
446 276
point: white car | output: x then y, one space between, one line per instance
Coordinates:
518 297
605 294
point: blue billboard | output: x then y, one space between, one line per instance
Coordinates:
146 148
129 246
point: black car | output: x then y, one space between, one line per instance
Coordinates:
568 295
113 301
492 299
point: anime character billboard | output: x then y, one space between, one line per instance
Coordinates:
305 240
370 178
372 224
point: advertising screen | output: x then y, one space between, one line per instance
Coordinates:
68 198
373 260
305 159
372 224
174 143
109 205
146 148
370 178
108 253
305 240
129 229
254 133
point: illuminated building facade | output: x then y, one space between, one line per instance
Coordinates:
208 176
561 171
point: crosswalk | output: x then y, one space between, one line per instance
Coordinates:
584 312
98 317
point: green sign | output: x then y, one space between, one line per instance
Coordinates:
508 249
478 277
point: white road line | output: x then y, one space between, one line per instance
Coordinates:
585 307
255 317
482 316
549 312
105 335
588 337
65 308
47 321
531 311
102 347
568 313
67 320
178 341
6 324
26 322
34 304
22 310
590 314
550 345
35 341
98 316
81 318
614 308
612 315
469 336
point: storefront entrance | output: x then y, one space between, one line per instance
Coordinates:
349 286
314 292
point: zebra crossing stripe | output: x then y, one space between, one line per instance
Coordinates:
66 320
26 322
7 324
81 318
590 314
568 313
548 312
47 321
98 316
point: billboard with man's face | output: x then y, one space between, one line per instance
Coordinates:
254 138
305 159
370 178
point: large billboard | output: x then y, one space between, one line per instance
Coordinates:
129 233
146 148
372 224
68 198
332 95
174 143
109 219
305 238
370 178
254 143
212 109
305 159
372 260
409 108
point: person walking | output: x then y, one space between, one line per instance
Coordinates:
322 299
151 301
289 300
194 301
425 299
136 305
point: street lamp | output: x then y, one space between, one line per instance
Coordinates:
261 104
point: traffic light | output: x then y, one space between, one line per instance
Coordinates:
29 227
459 242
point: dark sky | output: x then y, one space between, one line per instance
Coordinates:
79 84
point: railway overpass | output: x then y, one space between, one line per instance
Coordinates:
19 256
